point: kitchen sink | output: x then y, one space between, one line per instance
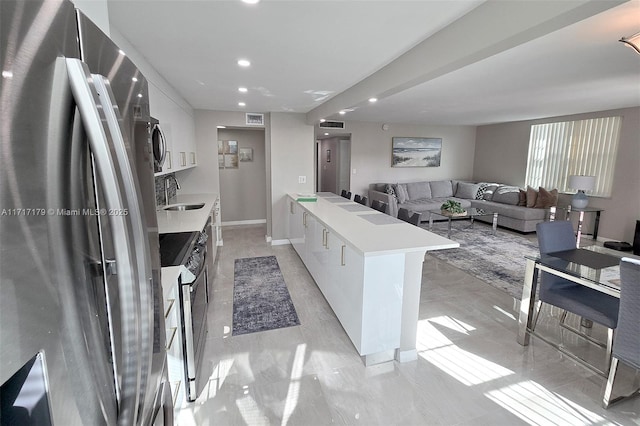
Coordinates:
184 206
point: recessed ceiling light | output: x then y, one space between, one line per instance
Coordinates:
342 112
221 127
372 100
122 52
244 62
326 134
242 89
322 120
134 79
241 104
139 95
251 1
7 74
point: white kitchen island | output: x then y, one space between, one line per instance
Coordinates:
368 266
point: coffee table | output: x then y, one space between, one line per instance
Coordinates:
471 214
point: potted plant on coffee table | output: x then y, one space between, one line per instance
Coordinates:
452 208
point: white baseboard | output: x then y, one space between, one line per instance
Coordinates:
244 222
280 242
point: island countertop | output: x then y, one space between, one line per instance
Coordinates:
368 234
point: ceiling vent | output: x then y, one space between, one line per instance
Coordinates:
329 124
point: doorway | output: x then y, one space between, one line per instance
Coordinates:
334 164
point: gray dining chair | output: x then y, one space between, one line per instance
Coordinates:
379 206
360 199
404 215
346 194
626 344
573 297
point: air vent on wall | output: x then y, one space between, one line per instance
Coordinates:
329 124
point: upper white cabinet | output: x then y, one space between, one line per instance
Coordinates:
178 126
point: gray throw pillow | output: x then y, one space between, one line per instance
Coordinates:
467 190
506 195
401 192
441 189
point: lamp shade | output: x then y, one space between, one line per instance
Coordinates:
632 41
585 183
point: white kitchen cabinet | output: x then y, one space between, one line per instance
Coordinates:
173 343
295 227
178 126
369 274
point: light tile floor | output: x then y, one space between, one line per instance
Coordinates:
470 369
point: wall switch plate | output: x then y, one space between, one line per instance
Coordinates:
302 179
354 171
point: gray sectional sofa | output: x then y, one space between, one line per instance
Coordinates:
494 197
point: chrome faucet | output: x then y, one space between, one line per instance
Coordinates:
166 187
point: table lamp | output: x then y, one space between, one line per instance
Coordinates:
581 184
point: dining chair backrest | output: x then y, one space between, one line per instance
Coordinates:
555 236
415 218
362 200
552 237
626 345
346 194
379 206
403 214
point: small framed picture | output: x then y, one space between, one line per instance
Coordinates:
328 156
246 154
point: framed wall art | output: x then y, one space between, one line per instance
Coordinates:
246 154
228 154
416 152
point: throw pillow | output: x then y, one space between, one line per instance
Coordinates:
401 192
506 195
532 196
546 198
489 191
391 191
482 187
467 190
522 198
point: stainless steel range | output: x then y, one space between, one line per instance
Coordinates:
189 249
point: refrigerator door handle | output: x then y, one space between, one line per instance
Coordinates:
87 101
138 227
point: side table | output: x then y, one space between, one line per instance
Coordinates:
568 210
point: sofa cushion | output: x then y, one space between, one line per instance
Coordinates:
441 188
515 212
506 195
467 190
401 192
546 198
418 190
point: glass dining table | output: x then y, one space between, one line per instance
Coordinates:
594 266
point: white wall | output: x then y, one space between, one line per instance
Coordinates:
289 146
97 11
371 153
501 155
243 190
292 151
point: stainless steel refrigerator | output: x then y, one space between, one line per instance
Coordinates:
82 339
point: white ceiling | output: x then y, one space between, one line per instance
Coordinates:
305 53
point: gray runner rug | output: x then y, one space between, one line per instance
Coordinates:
261 300
497 260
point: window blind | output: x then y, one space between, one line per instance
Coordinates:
583 147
